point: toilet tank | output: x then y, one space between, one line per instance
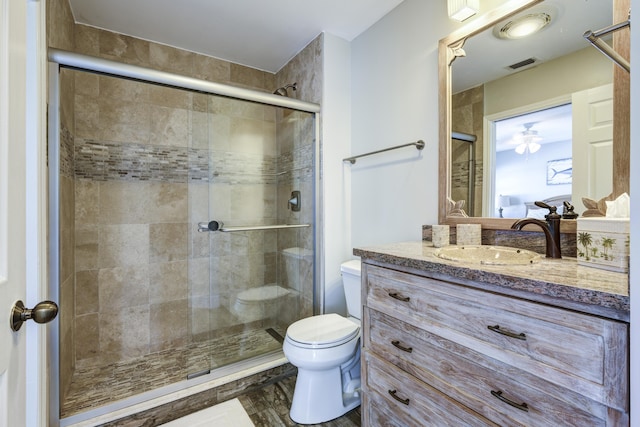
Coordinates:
352 287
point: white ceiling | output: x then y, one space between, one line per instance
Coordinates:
263 34
487 57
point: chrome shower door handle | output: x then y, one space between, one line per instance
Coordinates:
210 226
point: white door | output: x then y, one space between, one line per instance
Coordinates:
592 144
15 27
12 208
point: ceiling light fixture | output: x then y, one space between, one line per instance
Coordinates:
522 26
461 10
527 140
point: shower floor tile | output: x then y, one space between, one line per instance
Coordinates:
92 387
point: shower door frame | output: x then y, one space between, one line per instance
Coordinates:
64 59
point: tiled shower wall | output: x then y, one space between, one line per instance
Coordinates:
296 146
467 116
98 259
149 161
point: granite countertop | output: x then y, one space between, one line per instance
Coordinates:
558 282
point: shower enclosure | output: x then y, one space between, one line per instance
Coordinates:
151 298
463 171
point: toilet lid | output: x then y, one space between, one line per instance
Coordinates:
326 330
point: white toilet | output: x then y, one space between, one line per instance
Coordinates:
326 351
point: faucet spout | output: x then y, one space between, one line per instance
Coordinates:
551 230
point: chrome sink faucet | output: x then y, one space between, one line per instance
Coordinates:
551 229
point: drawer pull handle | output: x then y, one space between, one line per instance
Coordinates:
399 399
522 406
397 344
520 336
398 297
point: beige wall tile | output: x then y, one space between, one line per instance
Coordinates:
87 114
124 48
168 242
247 76
199 245
170 97
87 239
122 287
219 131
198 202
220 244
87 336
87 292
60 25
253 202
169 126
123 245
305 69
67 304
124 121
199 130
167 58
87 40
220 202
118 339
252 136
236 108
200 102
200 320
199 278
211 69
167 202
225 271
120 89
87 206
169 323
124 202
87 84
168 281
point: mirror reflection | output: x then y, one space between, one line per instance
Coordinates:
532 116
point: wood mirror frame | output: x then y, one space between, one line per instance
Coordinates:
448 50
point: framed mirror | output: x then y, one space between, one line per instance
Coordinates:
487 79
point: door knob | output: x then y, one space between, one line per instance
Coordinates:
43 312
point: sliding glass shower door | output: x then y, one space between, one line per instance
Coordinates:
151 297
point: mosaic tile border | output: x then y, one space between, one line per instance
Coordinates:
112 161
66 152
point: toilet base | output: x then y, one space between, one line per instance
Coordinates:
322 396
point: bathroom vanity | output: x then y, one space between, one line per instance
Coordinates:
451 343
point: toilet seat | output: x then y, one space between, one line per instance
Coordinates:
323 331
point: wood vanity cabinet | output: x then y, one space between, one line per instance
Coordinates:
437 353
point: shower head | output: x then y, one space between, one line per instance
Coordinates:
282 91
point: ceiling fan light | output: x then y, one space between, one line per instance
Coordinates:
533 147
461 10
521 148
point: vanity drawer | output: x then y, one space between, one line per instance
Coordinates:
574 350
498 391
414 404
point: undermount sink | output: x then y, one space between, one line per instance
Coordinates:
488 255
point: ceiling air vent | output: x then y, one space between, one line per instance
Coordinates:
522 63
